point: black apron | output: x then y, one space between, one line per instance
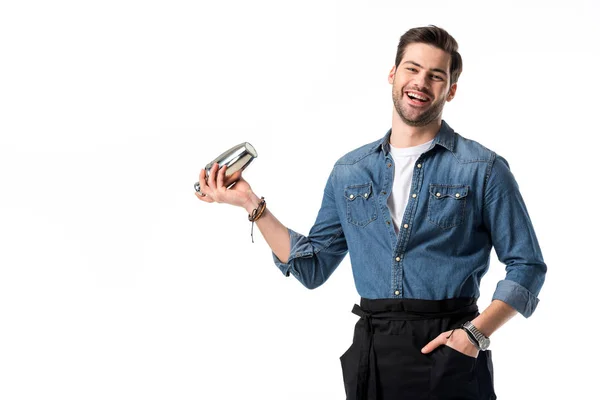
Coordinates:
385 361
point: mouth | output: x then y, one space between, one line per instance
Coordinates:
417 98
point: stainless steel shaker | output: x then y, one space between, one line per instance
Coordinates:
236 158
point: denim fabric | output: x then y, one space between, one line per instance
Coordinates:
464 200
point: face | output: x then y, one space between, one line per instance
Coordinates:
421 84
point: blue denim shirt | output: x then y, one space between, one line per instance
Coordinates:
464 200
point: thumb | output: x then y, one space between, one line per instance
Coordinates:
429 347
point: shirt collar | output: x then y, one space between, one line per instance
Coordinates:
445 137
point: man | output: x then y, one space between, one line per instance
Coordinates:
419 211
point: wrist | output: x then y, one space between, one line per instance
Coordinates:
478 339
471 338
478 323
252 203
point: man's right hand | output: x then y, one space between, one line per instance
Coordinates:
240 194
216 189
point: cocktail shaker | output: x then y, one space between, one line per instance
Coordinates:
236 158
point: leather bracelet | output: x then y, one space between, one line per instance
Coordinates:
472 338
258 211
256 214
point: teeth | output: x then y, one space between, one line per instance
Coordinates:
416 96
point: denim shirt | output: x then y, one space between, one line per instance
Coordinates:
464 200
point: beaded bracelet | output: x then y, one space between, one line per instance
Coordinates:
256 214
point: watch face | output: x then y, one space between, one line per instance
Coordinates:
485 343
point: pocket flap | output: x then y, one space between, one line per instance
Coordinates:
354 191
454 191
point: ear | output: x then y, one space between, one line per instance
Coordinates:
452 92
391 75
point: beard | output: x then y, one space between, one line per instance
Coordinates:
422 118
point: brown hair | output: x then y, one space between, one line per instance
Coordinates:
436 37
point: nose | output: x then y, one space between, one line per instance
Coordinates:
420 80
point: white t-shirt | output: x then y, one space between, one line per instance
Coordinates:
404 160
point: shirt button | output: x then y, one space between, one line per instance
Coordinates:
387 222
397 292
389 165
351 196
457 194
414 195
406 225
366 195
397 258
438 194
384 192
418 165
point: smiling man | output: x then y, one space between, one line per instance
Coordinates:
419 212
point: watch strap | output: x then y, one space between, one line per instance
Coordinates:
471 337
475 334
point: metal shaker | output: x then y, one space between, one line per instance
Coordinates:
236 158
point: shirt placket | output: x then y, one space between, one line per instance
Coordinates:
405 229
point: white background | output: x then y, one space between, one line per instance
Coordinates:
117 283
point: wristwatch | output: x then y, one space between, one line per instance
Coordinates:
478 339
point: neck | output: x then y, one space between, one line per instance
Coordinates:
404 135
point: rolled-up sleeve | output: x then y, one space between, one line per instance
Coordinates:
514 239
313 258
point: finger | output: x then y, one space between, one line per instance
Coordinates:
435 343
221 176
212 178
203 186
206 199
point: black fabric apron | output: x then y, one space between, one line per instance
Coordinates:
385 361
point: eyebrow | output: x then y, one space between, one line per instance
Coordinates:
441 71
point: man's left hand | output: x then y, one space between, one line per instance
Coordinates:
458 340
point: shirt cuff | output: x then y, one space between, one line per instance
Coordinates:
284 267
298 248
517 296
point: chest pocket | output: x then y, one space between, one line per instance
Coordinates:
447 205
361 207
